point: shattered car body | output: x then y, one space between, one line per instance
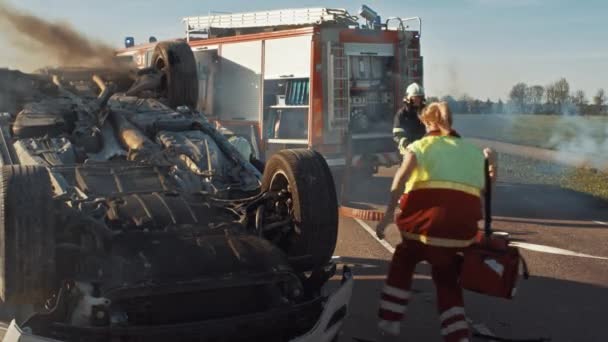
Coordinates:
127 216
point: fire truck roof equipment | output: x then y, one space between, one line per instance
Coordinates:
278 18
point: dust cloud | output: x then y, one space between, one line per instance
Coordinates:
35 43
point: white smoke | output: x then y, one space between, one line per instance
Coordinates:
584 136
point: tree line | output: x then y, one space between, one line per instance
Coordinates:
555 98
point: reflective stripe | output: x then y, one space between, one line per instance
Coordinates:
454 327
336 162
438 242
390 327
403 145
454 311
447 185
398 130
396 292
396 308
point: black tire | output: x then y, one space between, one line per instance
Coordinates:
180 81
27 235
315 205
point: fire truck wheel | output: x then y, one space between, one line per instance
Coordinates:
180 82
304 178
27 235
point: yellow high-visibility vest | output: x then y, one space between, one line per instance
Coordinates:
447 162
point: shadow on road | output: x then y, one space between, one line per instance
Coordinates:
521 201
544 307
536 201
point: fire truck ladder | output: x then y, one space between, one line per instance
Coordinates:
412 55
412 64
339 101
276 18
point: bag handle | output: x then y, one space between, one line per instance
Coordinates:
488 200
525 270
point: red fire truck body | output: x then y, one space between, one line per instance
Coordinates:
311 78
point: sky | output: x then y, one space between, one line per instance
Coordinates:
475 47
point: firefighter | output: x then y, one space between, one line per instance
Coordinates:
407 128
443 177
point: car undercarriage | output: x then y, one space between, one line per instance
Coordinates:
127 216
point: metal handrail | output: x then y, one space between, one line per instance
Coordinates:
402 26
303 16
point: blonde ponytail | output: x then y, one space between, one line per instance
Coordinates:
438 113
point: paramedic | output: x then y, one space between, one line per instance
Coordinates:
443 177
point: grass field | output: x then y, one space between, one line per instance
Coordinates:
587 135
522 170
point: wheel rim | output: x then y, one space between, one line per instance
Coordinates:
280 182
160 65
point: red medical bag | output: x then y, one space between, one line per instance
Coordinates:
491 267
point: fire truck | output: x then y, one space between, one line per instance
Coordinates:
316 78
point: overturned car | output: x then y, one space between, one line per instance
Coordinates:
126 216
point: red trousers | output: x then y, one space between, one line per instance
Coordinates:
445 264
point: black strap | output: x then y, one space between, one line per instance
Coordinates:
525 271
488 200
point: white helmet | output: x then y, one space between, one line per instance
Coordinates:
242 145
414 89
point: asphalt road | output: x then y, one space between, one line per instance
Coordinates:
563 237
565 299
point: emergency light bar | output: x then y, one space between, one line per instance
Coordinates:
368 13
129 42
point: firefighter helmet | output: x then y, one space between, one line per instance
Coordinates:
412 90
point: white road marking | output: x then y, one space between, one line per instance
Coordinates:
601 223
554 250
372 232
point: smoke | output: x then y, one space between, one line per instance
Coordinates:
43 42
586 137
454 85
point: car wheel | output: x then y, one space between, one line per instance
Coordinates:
305 176
180 82
27 234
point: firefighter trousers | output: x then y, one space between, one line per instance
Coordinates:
445 263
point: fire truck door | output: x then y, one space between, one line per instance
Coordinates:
206 64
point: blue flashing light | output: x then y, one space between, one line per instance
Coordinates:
129 42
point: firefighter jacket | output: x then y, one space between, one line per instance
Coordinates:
407 128
441 205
